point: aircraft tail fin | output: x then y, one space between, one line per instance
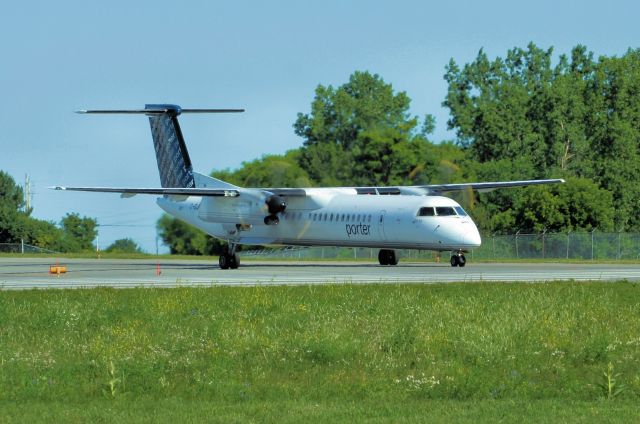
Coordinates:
174 164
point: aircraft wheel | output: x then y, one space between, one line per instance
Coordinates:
234 261
224 261
393 259
454 260
382 257
462 261
387 257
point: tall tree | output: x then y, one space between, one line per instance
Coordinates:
124 245
79 233
613 131
361 134
494 106
11 201
578 118
43 234
578 205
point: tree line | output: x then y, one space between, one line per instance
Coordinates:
73 234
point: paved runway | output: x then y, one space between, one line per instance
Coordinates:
29 273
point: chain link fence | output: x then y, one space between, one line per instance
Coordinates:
22 248
574 245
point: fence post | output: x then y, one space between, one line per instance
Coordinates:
568 244
592 231
517 254
493 245
544 231
22 245
619 253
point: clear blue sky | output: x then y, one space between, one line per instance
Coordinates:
267 57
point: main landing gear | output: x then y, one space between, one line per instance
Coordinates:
387 257
458 259
229 258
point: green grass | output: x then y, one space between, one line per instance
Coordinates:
379 353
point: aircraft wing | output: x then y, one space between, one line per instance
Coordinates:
484 187
300 192
422 190
132 191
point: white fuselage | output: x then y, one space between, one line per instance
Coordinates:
335 217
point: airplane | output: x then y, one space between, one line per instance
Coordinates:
385 218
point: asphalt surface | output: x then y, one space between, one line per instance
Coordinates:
30 273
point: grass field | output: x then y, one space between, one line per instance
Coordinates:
565 352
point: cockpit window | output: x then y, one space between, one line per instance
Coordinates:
427 211
460 211
445 211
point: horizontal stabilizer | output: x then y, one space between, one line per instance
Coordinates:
160 110
177 191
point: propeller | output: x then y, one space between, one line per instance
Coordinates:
275 204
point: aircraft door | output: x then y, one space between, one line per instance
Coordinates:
381 219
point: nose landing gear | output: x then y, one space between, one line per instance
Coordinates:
458 259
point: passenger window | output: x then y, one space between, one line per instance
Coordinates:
331 217
426 211
314 216
445 211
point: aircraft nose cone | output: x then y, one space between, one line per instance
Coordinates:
472 238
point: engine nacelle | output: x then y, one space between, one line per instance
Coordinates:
276 204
